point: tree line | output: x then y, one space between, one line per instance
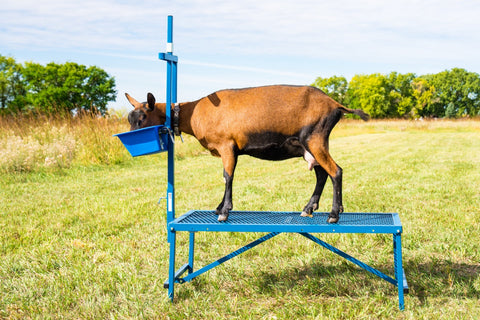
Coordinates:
69 88
452 93
53 89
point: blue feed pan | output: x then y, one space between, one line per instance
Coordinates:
145 141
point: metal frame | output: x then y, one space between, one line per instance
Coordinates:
273 223
285 222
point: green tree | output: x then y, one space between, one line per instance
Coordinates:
66 88
451 93
400 94
99 89
369 93
451 112
458 86
335 87
424 99
12 86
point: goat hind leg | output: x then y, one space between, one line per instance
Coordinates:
312 205
319 149
337 205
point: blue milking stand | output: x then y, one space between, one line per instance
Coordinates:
161 138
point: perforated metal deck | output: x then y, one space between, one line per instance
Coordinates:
268 221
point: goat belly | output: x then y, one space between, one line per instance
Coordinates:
271 152
272 146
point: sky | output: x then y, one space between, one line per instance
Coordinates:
234 44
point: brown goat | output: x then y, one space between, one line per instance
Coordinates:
272 123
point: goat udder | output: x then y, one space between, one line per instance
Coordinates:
310 160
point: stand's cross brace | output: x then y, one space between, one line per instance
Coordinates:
400 282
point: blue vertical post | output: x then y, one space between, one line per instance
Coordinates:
171 97
171 270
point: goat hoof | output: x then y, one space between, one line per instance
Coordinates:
332 219
306 214
222 217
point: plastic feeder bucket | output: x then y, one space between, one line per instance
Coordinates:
145 141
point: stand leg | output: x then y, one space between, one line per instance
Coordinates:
191 252
397 257
171 271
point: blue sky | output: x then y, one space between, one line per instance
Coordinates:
233 44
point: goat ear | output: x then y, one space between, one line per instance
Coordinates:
151 101
132 101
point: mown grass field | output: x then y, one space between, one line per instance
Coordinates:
82 236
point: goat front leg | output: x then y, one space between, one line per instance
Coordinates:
229 159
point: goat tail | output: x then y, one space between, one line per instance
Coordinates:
364 116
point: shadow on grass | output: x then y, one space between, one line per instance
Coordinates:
443 278
435 278
332 276
438 278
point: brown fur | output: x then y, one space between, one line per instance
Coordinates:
272 122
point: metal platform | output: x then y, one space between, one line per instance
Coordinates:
270 221
285 222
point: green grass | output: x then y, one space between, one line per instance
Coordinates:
88 240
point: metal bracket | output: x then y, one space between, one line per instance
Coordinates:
167 130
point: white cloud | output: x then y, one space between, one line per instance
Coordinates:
299 28
249 41
73 24
312 28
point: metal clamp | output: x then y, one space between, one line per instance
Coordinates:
167 130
